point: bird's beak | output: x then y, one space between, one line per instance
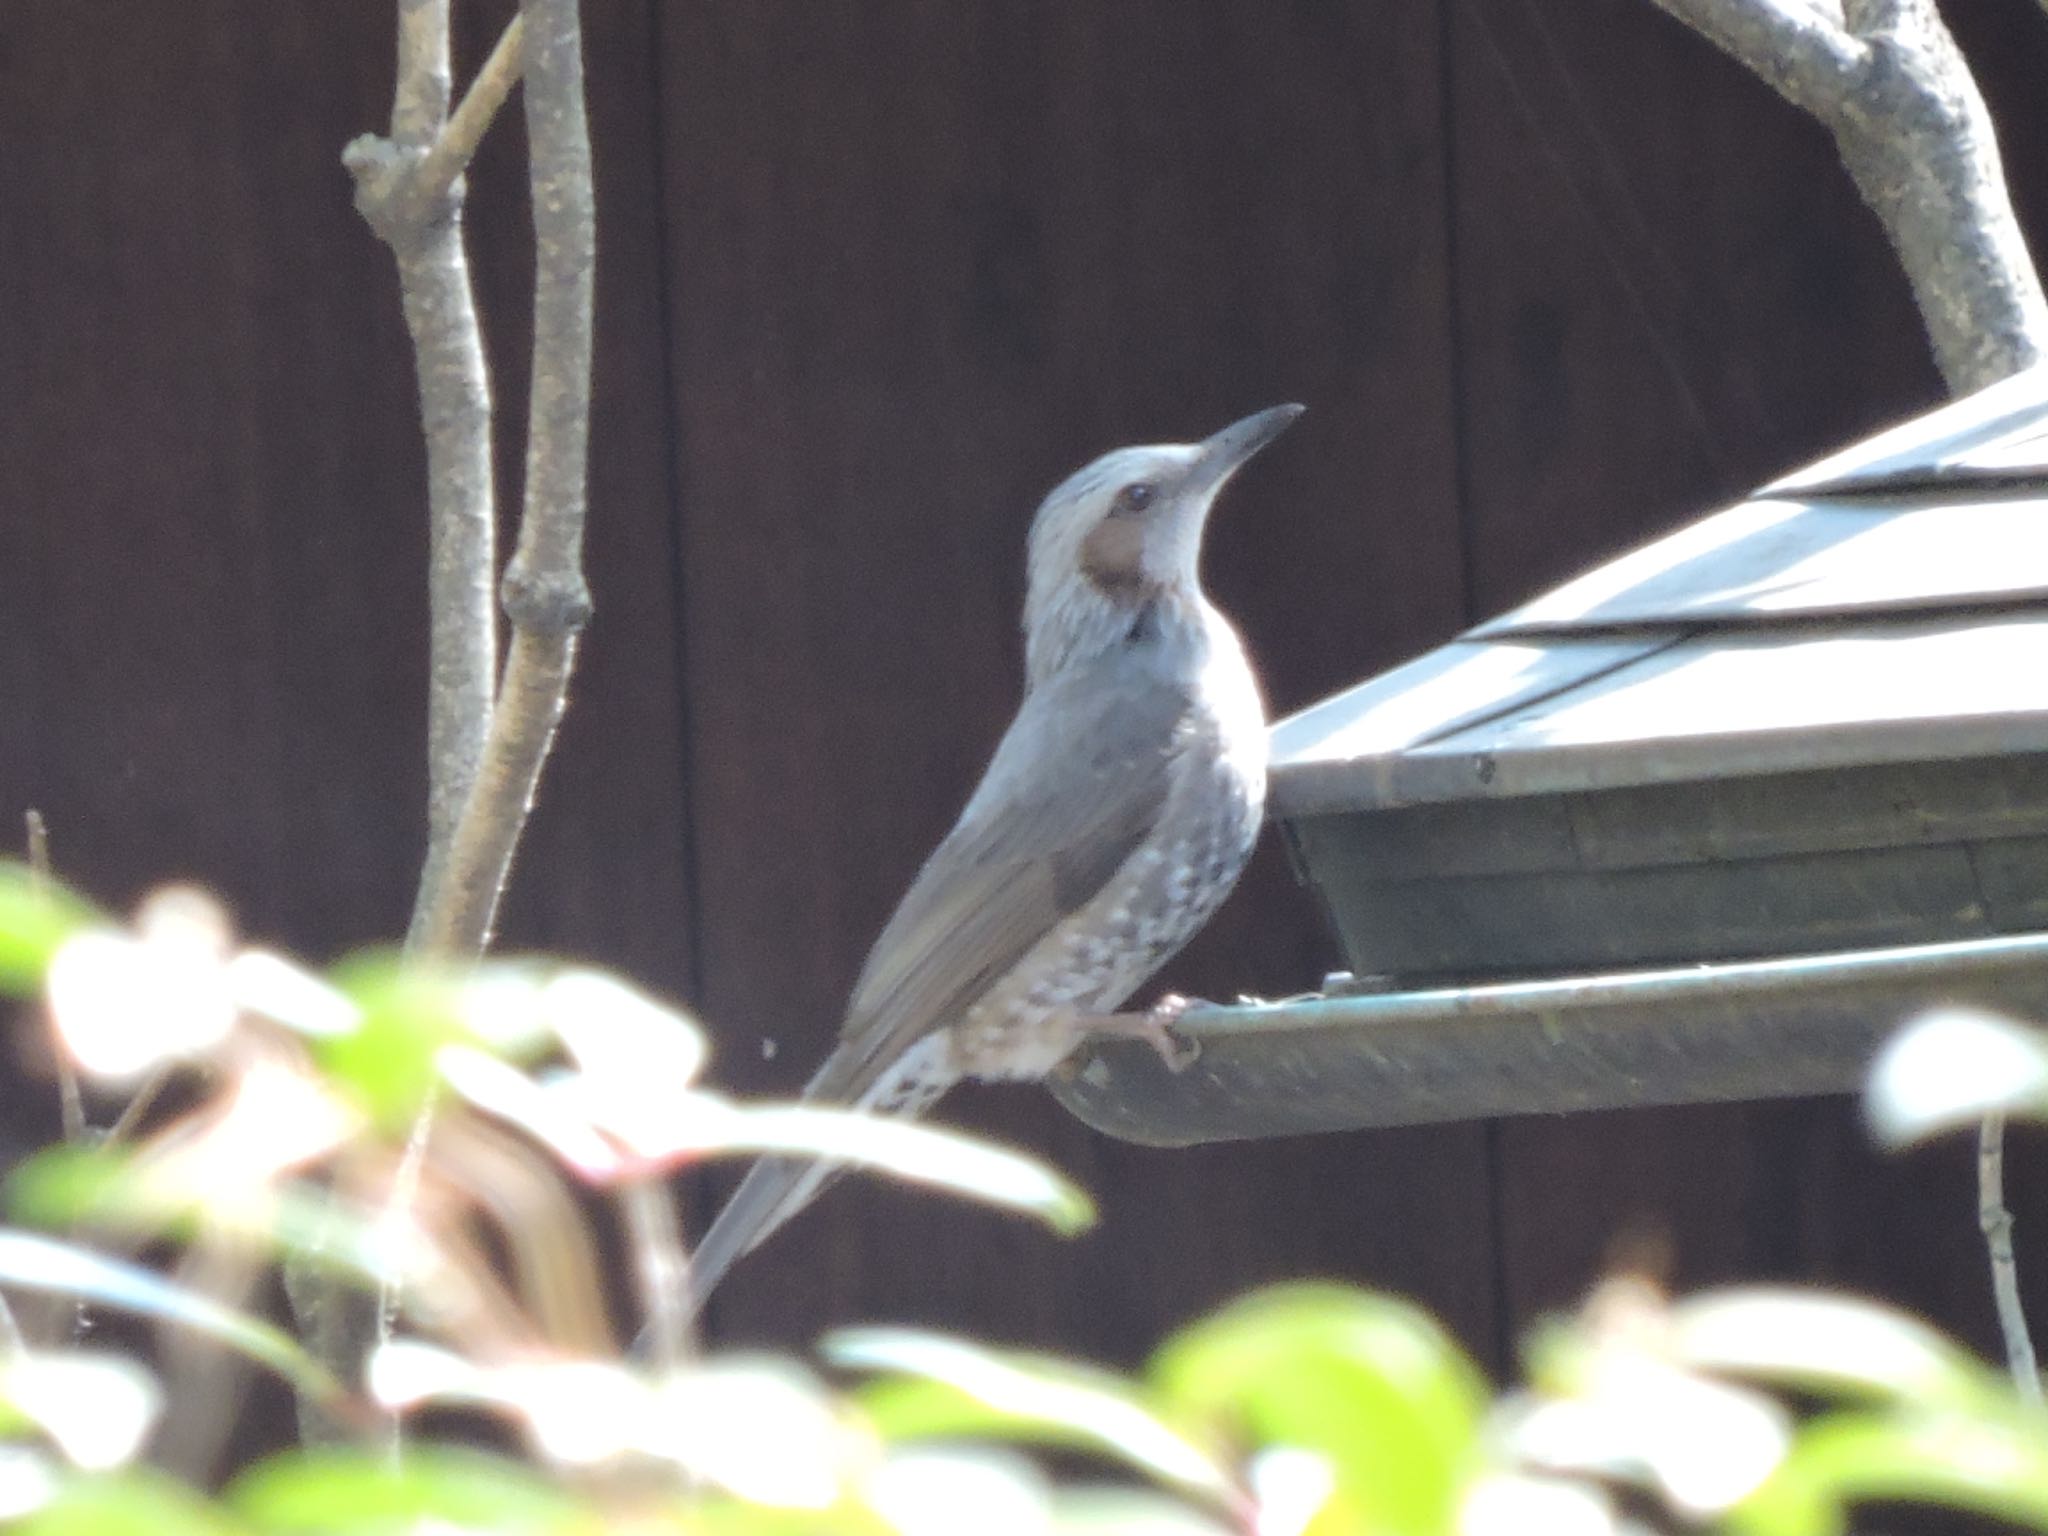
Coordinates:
1221 454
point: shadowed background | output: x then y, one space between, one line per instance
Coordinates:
873 277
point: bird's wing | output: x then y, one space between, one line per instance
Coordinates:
1075 786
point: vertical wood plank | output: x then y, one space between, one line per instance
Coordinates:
208 561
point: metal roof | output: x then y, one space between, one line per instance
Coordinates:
1888 603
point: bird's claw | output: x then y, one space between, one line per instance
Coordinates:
1156 1029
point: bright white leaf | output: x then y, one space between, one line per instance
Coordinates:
405 1373
503 1005
583 1412
1290 1486
930 1492
578 1412
125 1006
762 1429
623 1041
1704 1444
922 1154
96 1406
1824 1342
1109 1511
1951 1068
1034 1391
27 1481
499 1088
272 987
1512 1504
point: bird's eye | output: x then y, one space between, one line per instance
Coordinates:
1135 497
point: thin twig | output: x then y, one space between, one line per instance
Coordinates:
53 1316
661 1270
545 597
70 1100
455 146
140 1102
1996 1222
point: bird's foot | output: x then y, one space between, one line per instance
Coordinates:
1155 1026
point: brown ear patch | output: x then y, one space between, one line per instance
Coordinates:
1113 558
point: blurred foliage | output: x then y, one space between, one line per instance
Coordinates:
1301 1410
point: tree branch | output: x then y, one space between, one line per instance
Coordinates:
546 600
661 1270
448 156
409 190
406 182
1887 80
1995 1221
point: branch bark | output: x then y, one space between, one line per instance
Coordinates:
409 189
546 599
1887 80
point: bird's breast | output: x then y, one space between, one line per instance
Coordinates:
1096 958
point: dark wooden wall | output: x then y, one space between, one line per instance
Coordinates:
1550 277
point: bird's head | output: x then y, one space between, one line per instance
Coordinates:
1125 533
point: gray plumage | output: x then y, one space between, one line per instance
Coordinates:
1115 816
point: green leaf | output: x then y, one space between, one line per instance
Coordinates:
408 1011
134 1503
38 1263
355 1494
93 1405
1817 1342
36 917
922 1154
1989 1465
956 1389
1951 1068
1368 1383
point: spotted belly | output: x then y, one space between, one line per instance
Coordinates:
1092 963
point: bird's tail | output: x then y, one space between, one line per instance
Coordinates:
776 1188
